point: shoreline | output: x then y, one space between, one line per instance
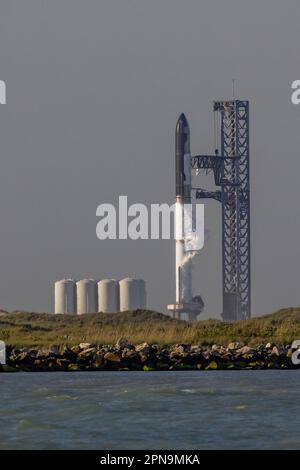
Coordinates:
124 356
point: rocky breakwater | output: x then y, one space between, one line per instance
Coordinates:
125 356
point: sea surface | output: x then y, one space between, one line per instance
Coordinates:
150 410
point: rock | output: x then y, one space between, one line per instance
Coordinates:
143 348
162 364
143 357
277 351
240 364
6 368
23 357
244 350
69 354
33 352
130 354
217 350
87 352
207 354
124 356
38 363
84 345
196 349
123 343
62 363
289 353
99 360
73 367
147 368
212 366
181 348
235 345
112 357
53 351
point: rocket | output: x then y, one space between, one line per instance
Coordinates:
183 160
183 197
186 307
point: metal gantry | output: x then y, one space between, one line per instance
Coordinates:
230 166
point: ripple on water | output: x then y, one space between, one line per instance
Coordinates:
61 397
26 424
94 410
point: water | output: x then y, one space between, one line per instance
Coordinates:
150 410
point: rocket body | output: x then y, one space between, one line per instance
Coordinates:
183 196
183 160
186 307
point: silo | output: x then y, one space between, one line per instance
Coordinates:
87 299
108 296
143 294
130 298
65 296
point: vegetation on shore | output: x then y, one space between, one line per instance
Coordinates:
24 329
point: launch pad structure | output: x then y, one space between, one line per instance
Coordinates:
230 167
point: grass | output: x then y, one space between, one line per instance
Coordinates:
23 329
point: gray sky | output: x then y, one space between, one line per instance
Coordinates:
94 91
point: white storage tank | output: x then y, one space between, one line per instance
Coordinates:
87 298
130 294
65 296
108 296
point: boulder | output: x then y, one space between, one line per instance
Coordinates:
73 367
278 351
195 348
244 350
289 353
143 357
69 354
53 351
87 353
123 343
218 350
23 357
163 362
207 354
144 348
112 357
212 366
99 360
62 363
84 345
235 345
180 350
130 355
7 368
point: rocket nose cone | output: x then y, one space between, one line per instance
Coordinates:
182 124
183 118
